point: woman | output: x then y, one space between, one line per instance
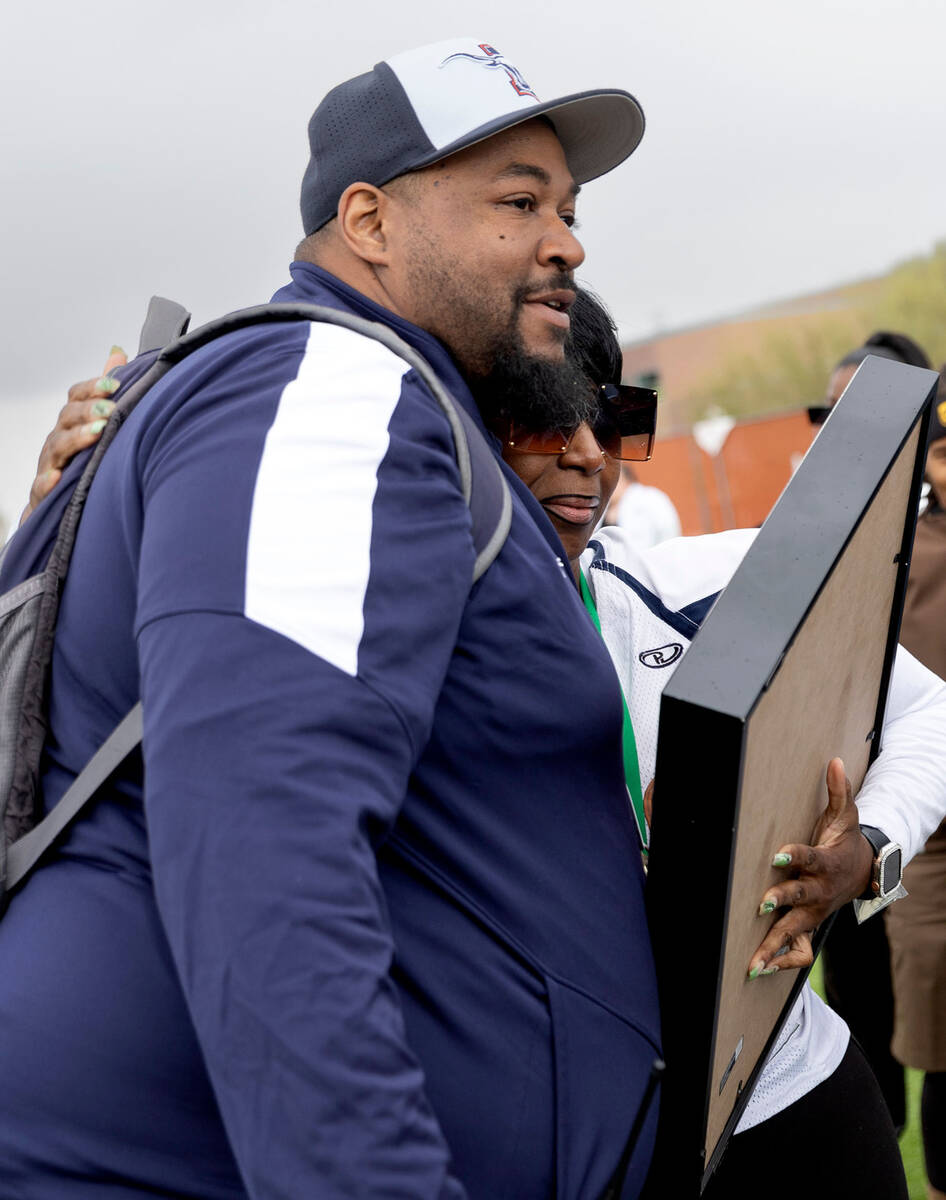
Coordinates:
916 927
816 1090
662 594
882 344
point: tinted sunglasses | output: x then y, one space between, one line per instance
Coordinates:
818 413
623 427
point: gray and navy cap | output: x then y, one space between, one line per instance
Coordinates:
425 104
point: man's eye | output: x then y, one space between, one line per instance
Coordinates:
570 220
523 203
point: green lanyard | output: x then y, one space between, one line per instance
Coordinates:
632 771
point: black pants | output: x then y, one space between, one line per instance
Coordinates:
836 1141
857 985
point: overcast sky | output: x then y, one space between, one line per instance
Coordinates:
158 148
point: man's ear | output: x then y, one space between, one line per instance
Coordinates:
361 222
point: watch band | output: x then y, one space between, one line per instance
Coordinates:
878 839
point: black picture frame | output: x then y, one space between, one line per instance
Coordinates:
768 692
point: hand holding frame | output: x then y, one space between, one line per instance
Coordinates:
834 869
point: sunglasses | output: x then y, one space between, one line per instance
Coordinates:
818 413
623 427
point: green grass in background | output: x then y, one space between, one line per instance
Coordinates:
911 1146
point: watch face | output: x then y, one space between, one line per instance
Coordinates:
890 871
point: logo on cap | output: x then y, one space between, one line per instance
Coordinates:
492 59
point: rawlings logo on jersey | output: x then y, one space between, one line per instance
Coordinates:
662 656
493 60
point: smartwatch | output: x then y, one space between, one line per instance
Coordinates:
886 873
888 865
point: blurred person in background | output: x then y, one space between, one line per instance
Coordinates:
647 513
856 958
923 630
882 344
916 926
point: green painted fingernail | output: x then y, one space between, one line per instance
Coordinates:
766 907
116 350
781 860
755 972
107 384
102 408
769 971
95 427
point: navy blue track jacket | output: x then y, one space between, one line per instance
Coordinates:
375 925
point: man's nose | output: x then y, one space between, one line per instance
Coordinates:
560 248
583 452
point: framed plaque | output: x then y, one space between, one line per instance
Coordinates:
790 668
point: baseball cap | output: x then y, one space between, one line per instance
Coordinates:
425 104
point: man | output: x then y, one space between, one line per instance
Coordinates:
375 927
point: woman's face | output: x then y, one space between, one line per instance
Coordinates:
936 469
573 487
839 380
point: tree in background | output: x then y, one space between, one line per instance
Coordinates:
792 367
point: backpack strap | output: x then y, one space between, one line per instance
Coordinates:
481 479
489 497
26 851
165 321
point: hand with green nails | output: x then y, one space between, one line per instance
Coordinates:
80 425
818 879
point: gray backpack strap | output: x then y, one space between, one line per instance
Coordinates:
481 478
489 498
166 320
25 852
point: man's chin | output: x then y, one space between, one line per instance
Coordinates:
519 354
548 352
546 346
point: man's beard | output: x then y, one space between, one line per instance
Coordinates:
509 383
522 389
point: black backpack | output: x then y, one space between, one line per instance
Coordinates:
29 607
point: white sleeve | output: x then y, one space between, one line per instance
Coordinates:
681 570
904 792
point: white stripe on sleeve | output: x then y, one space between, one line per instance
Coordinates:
309 548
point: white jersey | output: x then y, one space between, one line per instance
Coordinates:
650 604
